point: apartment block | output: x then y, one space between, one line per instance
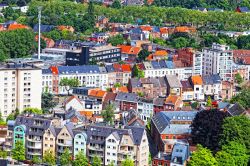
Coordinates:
21 87
218 60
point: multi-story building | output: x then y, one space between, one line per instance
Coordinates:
145 108
113 145
88 76
80 142
196 82
49 140
30 130
168 126
174 86
162 68
127 101
88 55
149 87
212 86
218 60
21 87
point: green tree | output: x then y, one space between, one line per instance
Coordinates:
117 85
143 54
116 40
17 112
80 160
111 164
3 154
127 162
54 34
108 113
69 83
36 160
138 72
116 4
33 111
49 158
236 129
96 161
48 102
65 158
232 154
10 117
202 156
1 119
243 98
18 152
238 78
209 102
207 128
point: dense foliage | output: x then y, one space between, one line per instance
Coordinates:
18 152
69 83
65 158
80 160
16 44
48 102
236 129
49 158
202 156
64 12
243 98
207 127
108 113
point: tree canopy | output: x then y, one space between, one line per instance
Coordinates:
202 156
243 98
116 40
32 110
236 129
80 160
18 152
65 158
96 161
48 102
127 162
49 158
207 127
69 83
108 113
136 72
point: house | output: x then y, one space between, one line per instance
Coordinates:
158 55
161 158
49 140
173 103
17 26
127 101
231 109
43 28
227 90
174 86
65 28
123 89
80 142
129 53
180 155
164 32
99 37
212 86
148 87
123 73
187 91
73 102
145 109
196 82
102 21
171 125
158 104
242 9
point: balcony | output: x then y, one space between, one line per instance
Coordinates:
96 148
34 153
34 139
37 146
64 144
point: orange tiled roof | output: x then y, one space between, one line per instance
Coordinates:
63 27
96 93
123 89
86 113
171 99
17 26
197 80
126 68
150 57
163 30
161 53
146 28
129 49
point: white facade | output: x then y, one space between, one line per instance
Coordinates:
145 110
47 83
187 95
21 87
197 63
182 73
111 149
218 60
198 92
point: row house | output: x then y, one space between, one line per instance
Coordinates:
123 73
145 109
174 86
114 145
129 53
179 155
88 76
158 55
163 67
149 87
168 126
127 101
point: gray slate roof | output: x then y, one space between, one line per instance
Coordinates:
211 79
173 81
129 97
180 153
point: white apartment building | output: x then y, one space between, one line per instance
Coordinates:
88 76
21 87
112 145
218 60
197 63
146 109
163 68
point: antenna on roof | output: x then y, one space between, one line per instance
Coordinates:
39 30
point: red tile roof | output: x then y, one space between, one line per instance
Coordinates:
197 80
146 28
129 49
17 26
54 70
96 93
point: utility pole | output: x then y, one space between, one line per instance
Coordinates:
39 30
